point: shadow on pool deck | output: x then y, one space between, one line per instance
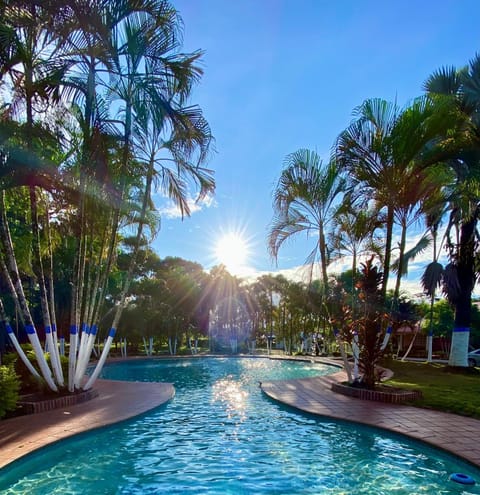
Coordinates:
118 401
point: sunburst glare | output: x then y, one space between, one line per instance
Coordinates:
232 250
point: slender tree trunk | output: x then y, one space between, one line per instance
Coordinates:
388 251
40 276
19 295
323 256
430 331
463 304
403 242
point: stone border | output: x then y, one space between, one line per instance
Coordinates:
394 397
33 407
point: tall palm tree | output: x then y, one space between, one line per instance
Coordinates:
151 93
107 170
33 73
461 87
385 150
305 200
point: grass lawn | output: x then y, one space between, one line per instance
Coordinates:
442 390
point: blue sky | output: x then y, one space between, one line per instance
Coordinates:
286 74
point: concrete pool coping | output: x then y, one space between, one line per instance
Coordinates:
118 401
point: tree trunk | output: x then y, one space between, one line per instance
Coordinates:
463 303
19 295
403 242
388 251
323 257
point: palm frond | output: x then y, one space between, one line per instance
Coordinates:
432 278
451 285
445 80
412 253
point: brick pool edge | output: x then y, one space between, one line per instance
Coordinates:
393 397
33 407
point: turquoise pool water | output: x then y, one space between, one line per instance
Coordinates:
221 435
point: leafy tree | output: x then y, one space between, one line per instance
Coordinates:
9 388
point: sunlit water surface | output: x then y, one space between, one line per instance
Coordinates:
221 435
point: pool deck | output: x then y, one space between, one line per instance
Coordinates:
451 432
118 401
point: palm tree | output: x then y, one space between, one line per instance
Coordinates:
33 74
152 92
354 233
461 88
305 201
108 173
385 151
433 274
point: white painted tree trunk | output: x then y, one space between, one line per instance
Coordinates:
172 345
54 356
386 338
430 347
82 363
72 357
356 355
61 378
346 364
23 357
101 361
459 349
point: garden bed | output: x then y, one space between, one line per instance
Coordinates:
31 404
382 393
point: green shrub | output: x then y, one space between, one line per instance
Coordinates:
28 383
9 359
9 387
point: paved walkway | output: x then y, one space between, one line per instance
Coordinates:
118 401
456 434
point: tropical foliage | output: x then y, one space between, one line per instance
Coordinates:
398 168
9 388
96 115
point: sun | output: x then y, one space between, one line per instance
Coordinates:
232 251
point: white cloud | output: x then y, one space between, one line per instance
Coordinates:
410 285
170 210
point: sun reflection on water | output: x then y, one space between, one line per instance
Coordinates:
230 393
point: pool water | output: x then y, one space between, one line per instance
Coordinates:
221 435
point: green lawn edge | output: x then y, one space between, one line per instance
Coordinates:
442 389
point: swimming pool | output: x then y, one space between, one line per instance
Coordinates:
221 435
